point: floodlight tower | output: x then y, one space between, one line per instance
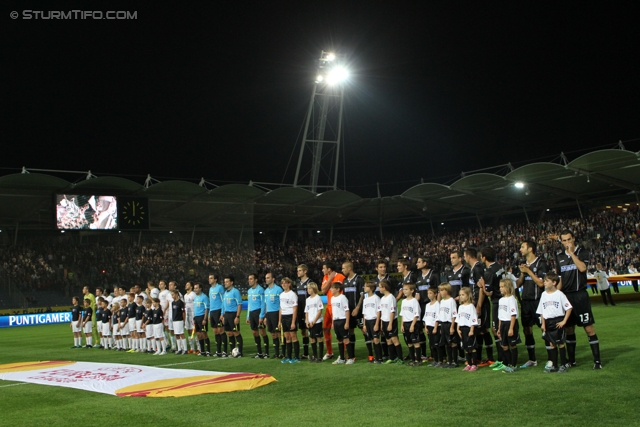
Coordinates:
323 126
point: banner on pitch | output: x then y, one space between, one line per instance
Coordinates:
121 379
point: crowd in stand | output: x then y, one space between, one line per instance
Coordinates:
611 237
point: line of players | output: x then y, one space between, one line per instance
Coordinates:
481 275
283 310
136 321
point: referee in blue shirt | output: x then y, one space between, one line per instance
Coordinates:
231 309
200 314
216 291
255 315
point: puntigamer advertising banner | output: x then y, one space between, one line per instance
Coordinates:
34 319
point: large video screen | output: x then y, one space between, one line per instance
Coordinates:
86 212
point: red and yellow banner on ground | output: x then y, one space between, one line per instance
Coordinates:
120 379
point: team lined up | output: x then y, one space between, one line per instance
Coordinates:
461 318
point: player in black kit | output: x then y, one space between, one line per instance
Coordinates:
493 273
458 278
381 268
483 305
408 278
87 323
301 290
427 278
532 273
354 291
105 341
76 322
572 264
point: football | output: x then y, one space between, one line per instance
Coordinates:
235 352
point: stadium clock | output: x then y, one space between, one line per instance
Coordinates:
134 213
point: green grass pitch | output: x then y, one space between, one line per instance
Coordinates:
359 395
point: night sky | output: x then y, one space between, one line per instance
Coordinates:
221 90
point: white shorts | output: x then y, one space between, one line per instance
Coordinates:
165 321
105 329
75 328
139 327
158 331
116 330
88 328
178 327
149 330
189 322
125 329
170 324
132 325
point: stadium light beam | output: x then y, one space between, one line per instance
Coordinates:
337 75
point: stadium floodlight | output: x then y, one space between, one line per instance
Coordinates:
337 75
330 69
519 184
323 125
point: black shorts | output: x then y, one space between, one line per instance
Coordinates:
338 327
446 337
434 336
214 318
495 322
354 321
254 319
272 321
468 342
302 323
199 323
529 315
286 323
394 329
316 331
371 334
411 337
581 314
509 341
484 320
229 322
553 333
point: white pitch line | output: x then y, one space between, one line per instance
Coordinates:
189 363
12 385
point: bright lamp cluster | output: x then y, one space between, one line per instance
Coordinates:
329 69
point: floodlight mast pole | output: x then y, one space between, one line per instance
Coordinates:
304 135
328 94
338 139
319 142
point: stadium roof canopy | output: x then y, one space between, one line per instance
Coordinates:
610 176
